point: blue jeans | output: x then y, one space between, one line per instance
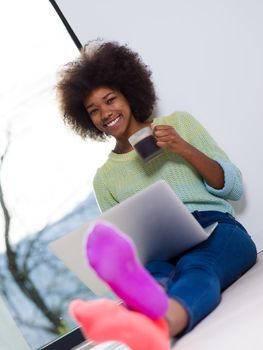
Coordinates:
197 277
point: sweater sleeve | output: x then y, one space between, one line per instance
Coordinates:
233 185
104 197
198 136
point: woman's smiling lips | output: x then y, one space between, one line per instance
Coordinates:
112 122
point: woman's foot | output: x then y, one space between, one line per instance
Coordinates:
106 320
113 256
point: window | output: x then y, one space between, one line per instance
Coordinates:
45 173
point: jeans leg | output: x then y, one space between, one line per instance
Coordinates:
198 290
162 271
201 274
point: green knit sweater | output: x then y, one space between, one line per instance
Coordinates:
123 175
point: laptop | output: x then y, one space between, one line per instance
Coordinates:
157 221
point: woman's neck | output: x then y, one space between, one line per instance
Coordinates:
121 148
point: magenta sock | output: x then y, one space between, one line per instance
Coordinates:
113 256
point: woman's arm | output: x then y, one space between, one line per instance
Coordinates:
104 197
210 170
184 135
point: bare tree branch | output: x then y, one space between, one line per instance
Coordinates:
21 275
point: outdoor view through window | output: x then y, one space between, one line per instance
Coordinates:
45 173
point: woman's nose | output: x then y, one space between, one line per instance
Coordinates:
106 112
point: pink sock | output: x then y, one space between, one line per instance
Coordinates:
113 256
106 320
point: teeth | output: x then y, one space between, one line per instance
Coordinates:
113 122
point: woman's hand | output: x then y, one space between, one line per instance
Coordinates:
167 137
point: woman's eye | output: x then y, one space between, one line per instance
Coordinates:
92 112
110 100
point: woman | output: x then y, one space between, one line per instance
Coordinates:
108 92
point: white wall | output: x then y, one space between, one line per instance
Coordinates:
206 56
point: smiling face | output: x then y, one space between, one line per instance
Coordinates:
110 112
